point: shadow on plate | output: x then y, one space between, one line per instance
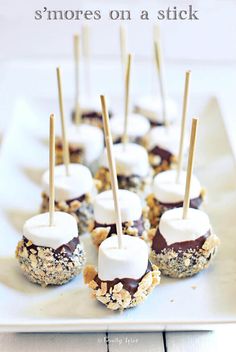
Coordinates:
17 217
76 303
33 174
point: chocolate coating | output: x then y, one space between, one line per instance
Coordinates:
159 243
194 203
131 285
90 115
66 250
162 153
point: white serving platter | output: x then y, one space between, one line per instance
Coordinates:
196 303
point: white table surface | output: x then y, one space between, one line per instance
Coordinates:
217 340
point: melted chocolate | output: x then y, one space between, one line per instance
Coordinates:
131 285
159 243
162 153
91 115
156 124
66 250
79 199
72 151
194 203
138 224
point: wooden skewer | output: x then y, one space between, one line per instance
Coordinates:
190 166
86 55
112 168
77 61
159 65
51 171
123 48
125 136
66 154
183 124
156 33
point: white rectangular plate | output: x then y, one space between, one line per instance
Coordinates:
195 303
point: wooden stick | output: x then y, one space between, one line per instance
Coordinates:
112 168
125 136
86 55
156 33
77 62
51 171
190 166
183 124
66 154
159 65
123 48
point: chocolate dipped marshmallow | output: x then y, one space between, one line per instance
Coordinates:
162 144
90 110
168 193
133 170
151 107
183 247
50 255
137 127
73 193
125 277
133 217
85 142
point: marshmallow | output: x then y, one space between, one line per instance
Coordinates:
77 183
165 138
131 261
176 229
88 138
166 190
38 231
130 207
138 126
131 159
151 107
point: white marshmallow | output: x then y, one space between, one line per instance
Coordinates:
78 183
165 138
130 160
130 207
88 138
129 262
166 190
138 126
176 229
37 229
151 107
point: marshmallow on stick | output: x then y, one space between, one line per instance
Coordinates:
184 243
50 252
134 219
123 265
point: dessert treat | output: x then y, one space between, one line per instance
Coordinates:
137 128
50 255
85 144
168 194
73 193
162 144
133 217
91 111
133 170
183 247
151 107
125 277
